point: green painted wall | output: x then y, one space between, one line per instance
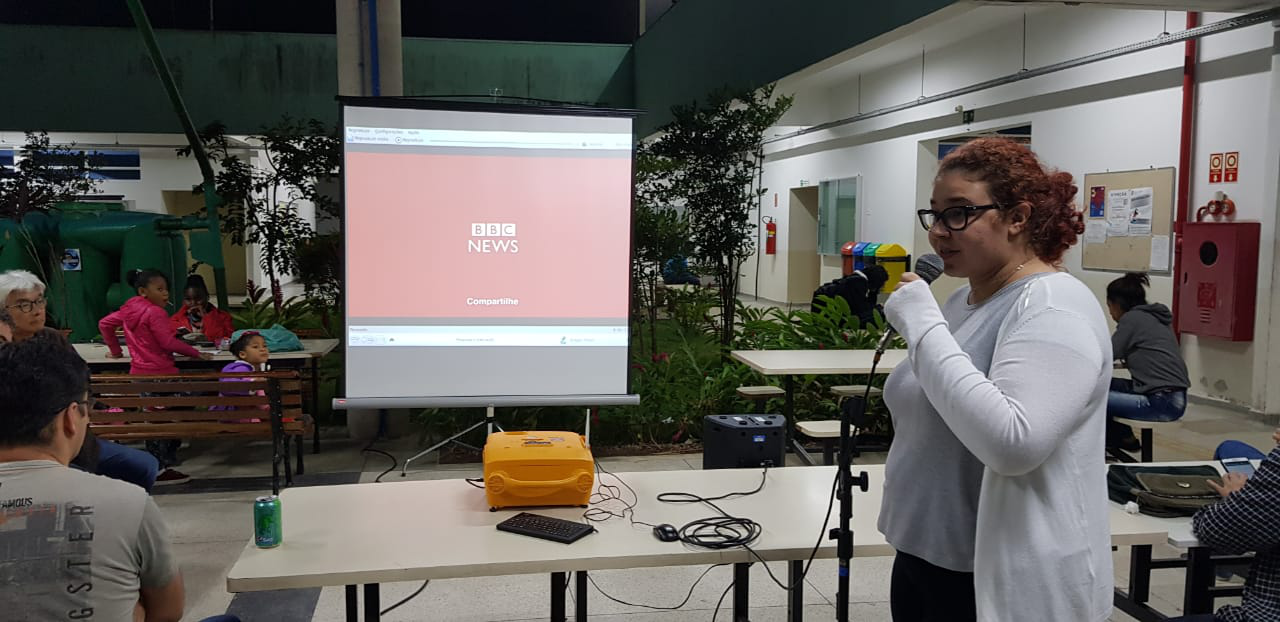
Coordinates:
702 44
100 79
573 72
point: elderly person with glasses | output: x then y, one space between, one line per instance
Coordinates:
22 295
22 317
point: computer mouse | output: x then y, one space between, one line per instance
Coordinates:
666 533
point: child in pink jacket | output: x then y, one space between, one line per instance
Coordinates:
147 329
150 336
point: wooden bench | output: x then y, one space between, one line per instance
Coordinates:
131 408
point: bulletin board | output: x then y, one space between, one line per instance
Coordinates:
1129 221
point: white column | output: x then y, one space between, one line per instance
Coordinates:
1266 368
350 48
390 48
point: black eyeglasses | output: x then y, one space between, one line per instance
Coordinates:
85 405
27 306
953 218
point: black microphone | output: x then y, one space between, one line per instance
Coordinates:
928 268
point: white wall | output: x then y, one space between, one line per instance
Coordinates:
162 170
306 209
1119 114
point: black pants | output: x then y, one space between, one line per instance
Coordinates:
165 452
922 592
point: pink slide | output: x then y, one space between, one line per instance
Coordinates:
479 236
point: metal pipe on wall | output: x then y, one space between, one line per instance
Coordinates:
1189 60
211 251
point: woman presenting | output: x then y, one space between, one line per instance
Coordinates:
995 489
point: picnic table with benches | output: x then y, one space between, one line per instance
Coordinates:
205 405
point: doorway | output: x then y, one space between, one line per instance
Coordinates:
803 261
178 203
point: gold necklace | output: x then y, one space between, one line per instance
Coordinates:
1009 279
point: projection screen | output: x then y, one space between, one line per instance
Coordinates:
487 254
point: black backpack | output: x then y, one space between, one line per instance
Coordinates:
859 289
1162 497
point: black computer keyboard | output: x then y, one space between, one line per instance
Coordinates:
545 527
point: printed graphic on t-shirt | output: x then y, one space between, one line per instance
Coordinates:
46 556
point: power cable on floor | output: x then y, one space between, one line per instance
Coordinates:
406 598
394 462
721 601
684 602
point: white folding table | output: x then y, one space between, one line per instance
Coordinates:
95 354
792 363
367 534
1199 590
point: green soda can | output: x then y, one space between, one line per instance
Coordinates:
267 530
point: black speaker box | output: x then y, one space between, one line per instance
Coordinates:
743 441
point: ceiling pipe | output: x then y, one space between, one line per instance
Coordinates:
1188 35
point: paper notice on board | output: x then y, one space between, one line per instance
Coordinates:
1098 202
1095 232
1118 213
1159 253
1140 211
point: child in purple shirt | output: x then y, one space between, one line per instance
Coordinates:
250 350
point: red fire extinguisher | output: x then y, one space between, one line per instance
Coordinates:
770 236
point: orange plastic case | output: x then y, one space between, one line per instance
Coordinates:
524 469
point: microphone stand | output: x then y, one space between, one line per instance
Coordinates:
852 412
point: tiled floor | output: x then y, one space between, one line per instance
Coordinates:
211 528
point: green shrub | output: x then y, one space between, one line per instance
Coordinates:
690 376
259 311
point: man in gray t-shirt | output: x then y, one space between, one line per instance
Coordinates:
73 546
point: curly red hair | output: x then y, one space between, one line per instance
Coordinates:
1014 175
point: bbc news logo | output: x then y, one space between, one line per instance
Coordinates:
493 229
493 237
